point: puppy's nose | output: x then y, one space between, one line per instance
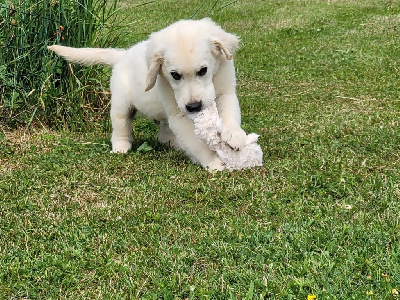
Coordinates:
194 106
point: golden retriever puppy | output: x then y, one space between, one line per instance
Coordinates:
173 75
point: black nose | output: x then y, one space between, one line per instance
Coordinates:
194 106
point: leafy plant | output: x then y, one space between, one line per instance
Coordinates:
33 81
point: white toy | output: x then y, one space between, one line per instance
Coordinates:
208 128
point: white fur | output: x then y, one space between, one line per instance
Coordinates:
142 80
208 128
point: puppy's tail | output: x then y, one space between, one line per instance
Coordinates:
89 56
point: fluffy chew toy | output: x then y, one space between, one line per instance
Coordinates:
208 128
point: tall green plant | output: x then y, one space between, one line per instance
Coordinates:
36 85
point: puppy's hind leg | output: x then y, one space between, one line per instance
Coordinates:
122 113
165 134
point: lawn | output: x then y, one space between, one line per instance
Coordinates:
319 81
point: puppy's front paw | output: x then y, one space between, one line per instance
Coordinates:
121 147
235 138
216 165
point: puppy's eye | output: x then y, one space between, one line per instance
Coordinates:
202 72
176 75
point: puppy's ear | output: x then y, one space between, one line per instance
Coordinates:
154 70
224 42
221 47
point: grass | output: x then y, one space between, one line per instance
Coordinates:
33 83
319 81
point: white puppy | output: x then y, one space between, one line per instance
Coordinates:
177 72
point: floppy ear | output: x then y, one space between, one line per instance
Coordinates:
220 47
154 70
224 42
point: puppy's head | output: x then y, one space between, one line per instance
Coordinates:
187 55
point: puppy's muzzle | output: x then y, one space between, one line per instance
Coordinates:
194 106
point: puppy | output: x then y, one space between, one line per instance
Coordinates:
173 75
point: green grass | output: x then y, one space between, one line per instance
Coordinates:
319 81
33 82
